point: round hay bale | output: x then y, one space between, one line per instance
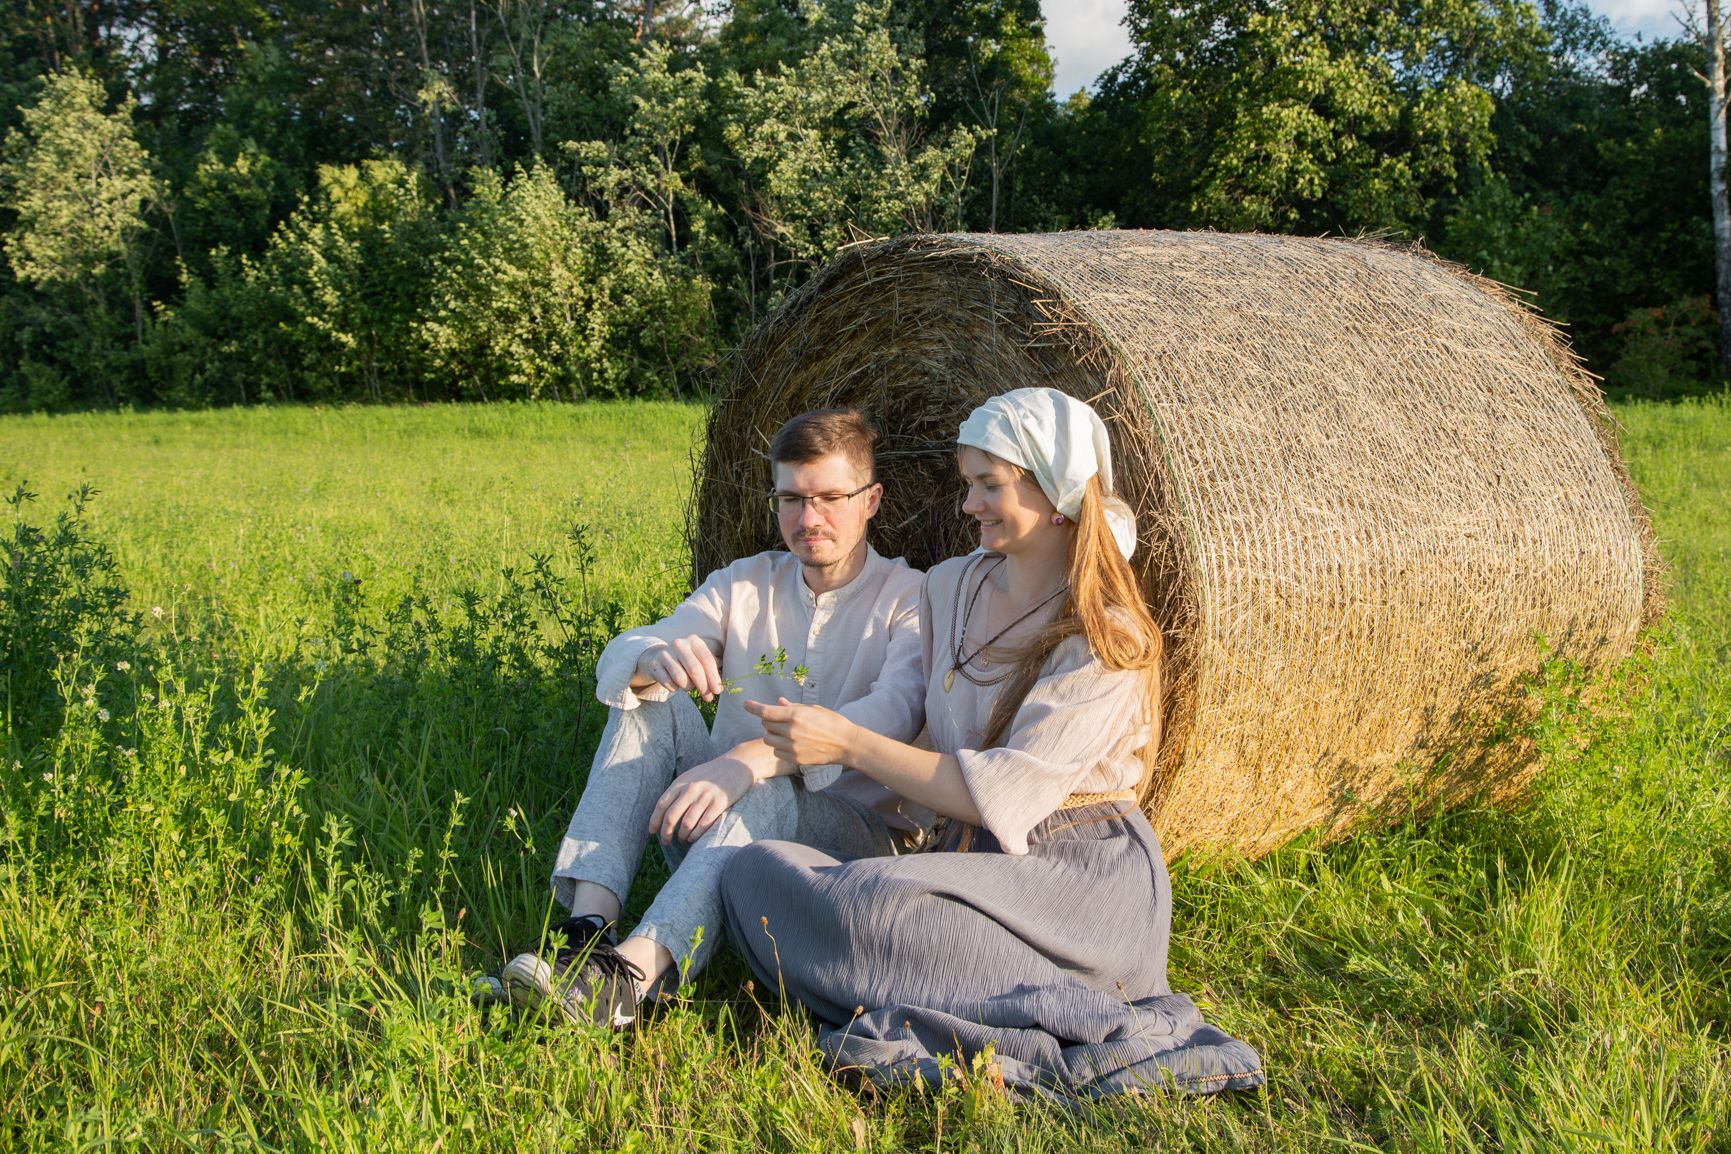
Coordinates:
1373 490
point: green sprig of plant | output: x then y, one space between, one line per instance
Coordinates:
768 665
776 666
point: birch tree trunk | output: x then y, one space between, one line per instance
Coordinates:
1716 178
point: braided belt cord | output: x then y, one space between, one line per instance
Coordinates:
1078 800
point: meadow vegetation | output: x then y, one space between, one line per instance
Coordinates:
296 707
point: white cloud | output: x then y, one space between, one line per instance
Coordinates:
1088 36
1651 18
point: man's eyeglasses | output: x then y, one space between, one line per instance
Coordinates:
784 504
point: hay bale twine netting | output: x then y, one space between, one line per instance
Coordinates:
1368 485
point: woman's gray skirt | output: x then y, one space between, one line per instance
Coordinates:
1055 959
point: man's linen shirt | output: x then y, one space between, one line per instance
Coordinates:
859 646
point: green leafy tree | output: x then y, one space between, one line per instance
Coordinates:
522 30
40 38
1496 231
649 181
835 147
536 297
231 198
78 185
226 340
582 56
763 35
987 67
650 168
1597 199
1323 115
183 58
346 277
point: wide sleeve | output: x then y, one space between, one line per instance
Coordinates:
702 615
1077 715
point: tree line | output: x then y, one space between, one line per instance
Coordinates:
212 202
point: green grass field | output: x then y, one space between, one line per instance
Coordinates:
252 512
262 819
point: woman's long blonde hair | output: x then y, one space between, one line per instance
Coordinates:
1105 606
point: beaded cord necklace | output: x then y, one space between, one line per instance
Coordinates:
959 628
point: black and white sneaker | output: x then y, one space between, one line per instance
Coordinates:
585 975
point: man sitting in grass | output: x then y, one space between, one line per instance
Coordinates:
828 622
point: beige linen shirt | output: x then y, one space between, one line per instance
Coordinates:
1077 731
859 646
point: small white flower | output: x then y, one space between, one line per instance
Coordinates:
123 666
148 696
126 752
102 715
156 612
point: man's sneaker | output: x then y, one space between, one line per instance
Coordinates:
586 976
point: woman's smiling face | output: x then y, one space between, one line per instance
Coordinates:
1004 501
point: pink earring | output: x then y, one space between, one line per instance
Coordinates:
1057 518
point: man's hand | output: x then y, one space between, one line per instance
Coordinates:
805 734
682 664
698 797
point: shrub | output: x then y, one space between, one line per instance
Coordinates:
1667 352
536 297
137 759
78 185
345 278
63 612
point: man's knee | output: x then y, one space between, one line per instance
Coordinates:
673 727
648 718
769 809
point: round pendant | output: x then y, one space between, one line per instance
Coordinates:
949 679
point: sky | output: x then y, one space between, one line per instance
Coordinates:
1088 36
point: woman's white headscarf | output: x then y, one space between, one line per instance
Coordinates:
1058 439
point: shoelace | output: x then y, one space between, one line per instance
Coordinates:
614 964
578 931
586 940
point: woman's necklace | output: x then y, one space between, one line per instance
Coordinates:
959 630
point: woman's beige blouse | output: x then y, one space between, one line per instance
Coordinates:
1077 731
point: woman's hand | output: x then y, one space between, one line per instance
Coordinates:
696 799
806 734
811 735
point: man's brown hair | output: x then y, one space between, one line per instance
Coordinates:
827 432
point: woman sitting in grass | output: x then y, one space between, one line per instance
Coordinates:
1040 927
